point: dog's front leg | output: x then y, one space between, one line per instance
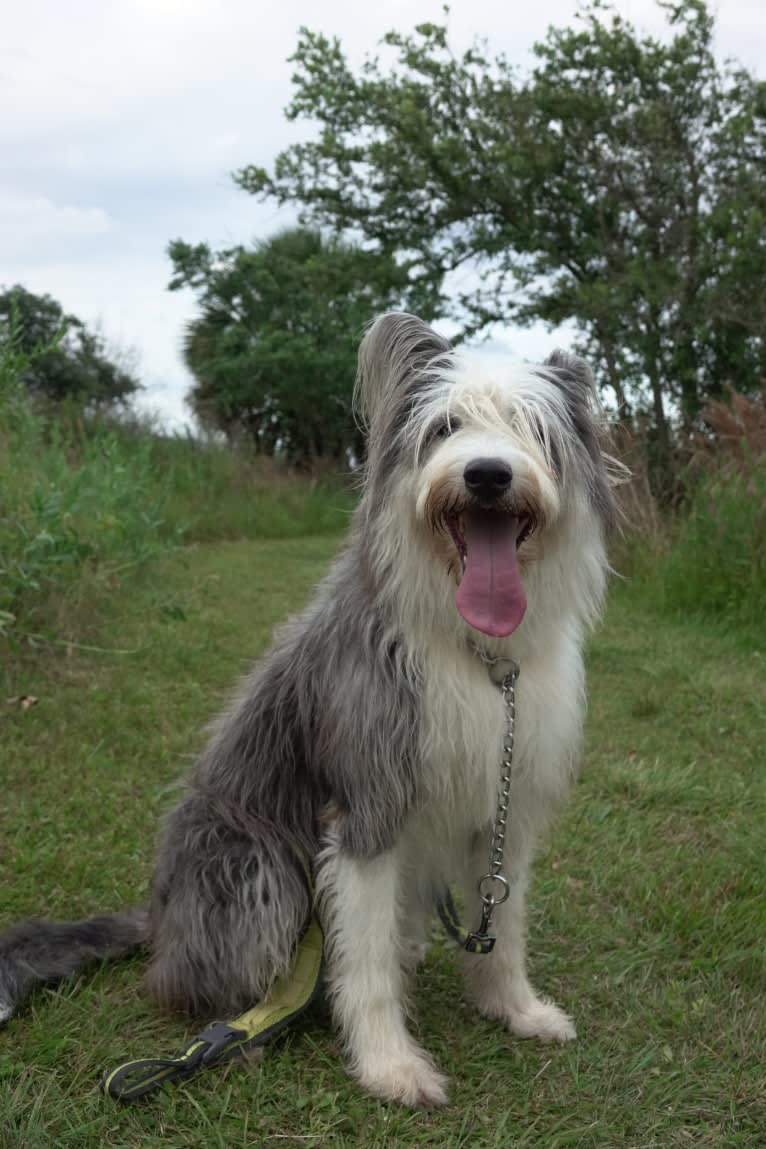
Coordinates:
360 905
498 982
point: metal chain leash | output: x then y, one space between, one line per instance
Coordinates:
488 884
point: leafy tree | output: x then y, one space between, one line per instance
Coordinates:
621 184
64 359
273 351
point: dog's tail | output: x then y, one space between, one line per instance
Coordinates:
35 952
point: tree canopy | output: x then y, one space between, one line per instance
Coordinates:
66 360
273 350
620 184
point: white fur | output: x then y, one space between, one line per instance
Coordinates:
361 902
377 912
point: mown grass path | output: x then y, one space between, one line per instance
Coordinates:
648 924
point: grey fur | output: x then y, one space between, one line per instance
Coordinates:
397 354
228 900
396 348
573 376
36 952
325 730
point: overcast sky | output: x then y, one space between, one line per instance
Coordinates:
120 121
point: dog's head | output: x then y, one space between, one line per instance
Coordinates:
494 459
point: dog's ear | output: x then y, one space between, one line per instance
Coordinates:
396 346
573 375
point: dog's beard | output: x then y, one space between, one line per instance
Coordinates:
490 596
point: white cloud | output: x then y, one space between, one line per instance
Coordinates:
29 225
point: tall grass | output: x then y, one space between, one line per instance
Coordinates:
84 498
717 565
708 558
215 492
67 507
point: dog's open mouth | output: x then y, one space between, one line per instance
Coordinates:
490 596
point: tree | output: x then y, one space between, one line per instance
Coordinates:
66 360
273 351
621 184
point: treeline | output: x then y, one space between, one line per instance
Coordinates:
620 184
55 356
273 351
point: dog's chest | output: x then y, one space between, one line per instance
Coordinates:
463 722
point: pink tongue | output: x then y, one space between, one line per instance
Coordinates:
490 596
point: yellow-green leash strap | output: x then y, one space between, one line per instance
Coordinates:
221 1040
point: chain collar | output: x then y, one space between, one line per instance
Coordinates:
499 666
493 886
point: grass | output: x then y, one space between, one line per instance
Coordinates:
648 915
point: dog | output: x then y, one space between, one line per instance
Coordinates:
370 738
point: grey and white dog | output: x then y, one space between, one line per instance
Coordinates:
370 736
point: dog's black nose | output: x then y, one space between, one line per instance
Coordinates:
487 478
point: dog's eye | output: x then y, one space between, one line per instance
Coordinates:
443 429
547 444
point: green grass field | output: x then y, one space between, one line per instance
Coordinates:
648 918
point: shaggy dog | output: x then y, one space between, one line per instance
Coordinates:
370 737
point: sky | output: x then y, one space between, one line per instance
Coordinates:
121 121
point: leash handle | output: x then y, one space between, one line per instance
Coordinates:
136 1078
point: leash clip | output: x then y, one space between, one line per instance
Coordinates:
481 941
218 1036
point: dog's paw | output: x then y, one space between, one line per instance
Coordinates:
530 1017
412 1080
541 1019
